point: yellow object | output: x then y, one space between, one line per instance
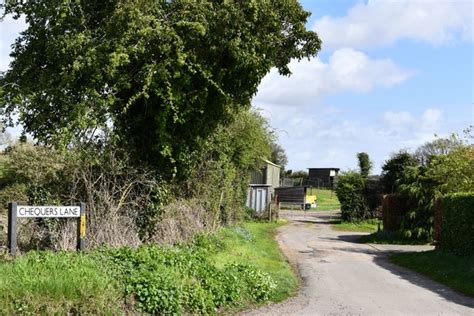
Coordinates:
311 199
82 231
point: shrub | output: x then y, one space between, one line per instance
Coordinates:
394 168
259 283
156 291
182 279
458 223
350 192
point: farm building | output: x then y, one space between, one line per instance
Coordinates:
262 186
323 177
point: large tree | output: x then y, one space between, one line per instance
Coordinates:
162 75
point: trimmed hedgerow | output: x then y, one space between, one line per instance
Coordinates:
458 223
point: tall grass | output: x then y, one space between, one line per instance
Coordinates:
49 282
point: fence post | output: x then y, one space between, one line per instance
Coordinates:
81 228
12 241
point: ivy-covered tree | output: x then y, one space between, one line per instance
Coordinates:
365 165
162 75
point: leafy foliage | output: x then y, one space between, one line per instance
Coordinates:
393 170
184 279
166 74
350 192
458 224
365 165
221 175
437 147
455 171
443 174
421 191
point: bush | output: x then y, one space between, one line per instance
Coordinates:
350 192
458 223
182 279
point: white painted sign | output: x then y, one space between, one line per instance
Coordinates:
48 211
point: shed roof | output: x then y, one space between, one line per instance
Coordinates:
271 163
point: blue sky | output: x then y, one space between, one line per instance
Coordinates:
391 75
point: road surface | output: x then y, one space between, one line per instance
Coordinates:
340 277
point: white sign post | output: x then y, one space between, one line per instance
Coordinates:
28 211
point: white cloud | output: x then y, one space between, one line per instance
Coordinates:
431 116
311 139
402 121
9 30
346 70
383 22
398 119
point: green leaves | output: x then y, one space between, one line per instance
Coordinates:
161 74
350 192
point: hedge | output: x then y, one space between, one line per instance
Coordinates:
458 223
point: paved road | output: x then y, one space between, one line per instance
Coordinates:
340 277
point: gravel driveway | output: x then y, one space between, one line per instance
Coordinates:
340 277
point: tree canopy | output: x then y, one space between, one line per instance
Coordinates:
394 169
161 75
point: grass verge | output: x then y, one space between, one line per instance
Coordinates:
449 269
254 242
235 268
367 226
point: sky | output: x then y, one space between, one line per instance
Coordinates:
391 75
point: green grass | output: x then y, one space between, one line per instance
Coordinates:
224 270
449 269
255 243
386 237
327 199
51 283
367 226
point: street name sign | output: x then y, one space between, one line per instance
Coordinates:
48 211
16 211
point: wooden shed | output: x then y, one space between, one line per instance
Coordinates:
322 177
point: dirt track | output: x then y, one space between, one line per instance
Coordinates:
340 277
